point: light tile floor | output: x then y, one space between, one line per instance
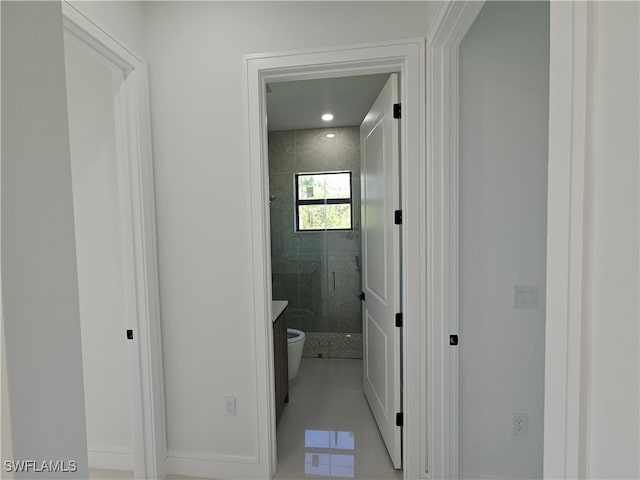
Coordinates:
327 430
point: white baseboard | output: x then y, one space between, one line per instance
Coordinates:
111 459
220 466
463 476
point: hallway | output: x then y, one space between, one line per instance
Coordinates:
327 429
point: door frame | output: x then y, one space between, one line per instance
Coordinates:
137 208
453 21
568 207
572 94
408 58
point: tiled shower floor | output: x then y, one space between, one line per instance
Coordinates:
332 345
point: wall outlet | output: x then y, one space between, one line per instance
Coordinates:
229 406
519 424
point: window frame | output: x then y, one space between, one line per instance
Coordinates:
324 201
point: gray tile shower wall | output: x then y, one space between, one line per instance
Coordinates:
304 264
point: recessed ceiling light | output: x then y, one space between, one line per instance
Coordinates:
327 117
330 135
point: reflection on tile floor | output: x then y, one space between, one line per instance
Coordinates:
327 430
332 345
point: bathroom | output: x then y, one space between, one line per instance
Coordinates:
317 271
316 267
316 263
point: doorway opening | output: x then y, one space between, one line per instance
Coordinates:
502 255
469 208
407 59
100 255
315 207
114 220
321 187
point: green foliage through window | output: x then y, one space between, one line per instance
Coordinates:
323 201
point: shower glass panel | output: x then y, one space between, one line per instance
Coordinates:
318 271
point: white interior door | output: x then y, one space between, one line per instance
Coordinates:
381 265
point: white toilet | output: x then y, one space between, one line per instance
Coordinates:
295 344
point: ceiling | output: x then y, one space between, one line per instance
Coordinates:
300 104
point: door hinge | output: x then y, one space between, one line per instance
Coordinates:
361 296
397 217
399 419
397 110
453 340
399 319
129 334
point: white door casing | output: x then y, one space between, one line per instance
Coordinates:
102 251
449 28
408 58
137 211
381 265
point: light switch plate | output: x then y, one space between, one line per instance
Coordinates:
525 297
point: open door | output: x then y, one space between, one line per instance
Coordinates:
381 265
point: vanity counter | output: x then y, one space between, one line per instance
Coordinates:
277 307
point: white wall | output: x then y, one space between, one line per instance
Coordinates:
504 67
92 82
614 400
39 280
194 51
123 20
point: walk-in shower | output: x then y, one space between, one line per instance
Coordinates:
314 181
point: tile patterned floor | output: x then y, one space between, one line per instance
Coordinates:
332 345
327 430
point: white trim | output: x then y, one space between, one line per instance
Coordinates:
568 235
111 459
588 235
209 457
6 449
408 58
139 238
493 477
452 23
213 466
568 241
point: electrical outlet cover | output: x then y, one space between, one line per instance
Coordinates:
230 406
519 424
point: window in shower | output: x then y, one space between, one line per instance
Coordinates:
323 201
